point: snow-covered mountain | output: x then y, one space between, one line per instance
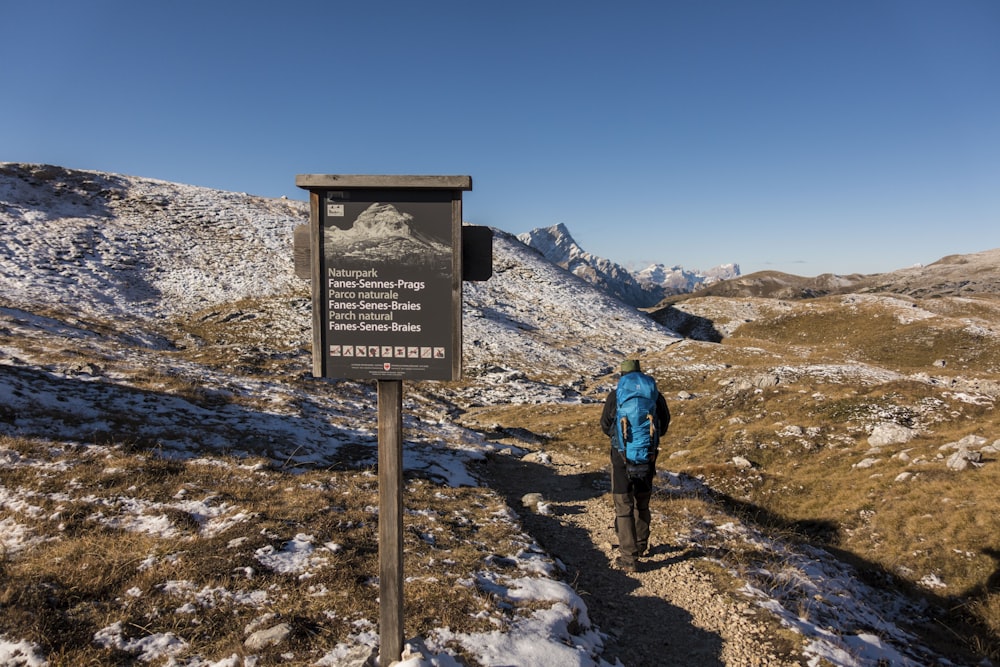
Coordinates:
678 280
641 289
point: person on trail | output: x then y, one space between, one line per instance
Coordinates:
635 417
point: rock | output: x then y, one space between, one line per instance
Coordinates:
361 656
766 380
269 637
971 441
888 433
679 453
741 462
904 477
537 457
866 463
531 500
963 458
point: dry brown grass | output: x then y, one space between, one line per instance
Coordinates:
92 566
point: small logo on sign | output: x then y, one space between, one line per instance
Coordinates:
335 210
386 366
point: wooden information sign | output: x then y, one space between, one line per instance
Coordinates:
385 257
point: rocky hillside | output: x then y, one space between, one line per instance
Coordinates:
161 267
955 275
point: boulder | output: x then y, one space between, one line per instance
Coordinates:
963 459
531 500
741 462
888 433
866 463
269 637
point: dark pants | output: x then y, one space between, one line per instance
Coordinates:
631 497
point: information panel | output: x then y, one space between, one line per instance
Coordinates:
390 288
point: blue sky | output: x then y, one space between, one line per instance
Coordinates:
798 136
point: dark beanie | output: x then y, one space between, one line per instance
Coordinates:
630 366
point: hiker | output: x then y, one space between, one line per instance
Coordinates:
635 417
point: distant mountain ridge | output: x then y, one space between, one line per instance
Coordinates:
954 275
641 289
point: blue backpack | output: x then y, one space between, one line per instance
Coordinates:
636 435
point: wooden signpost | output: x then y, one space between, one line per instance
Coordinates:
386 257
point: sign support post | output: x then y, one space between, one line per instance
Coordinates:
390 518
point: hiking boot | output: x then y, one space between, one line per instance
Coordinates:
627 564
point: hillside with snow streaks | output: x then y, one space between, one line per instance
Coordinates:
137 247
153 256
551 321
118 246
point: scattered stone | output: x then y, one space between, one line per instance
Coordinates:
968 442
963 458
269 637
680 453
684 395
889 433
531 500
361 656
941 363
932 581
537 457
866 463
766 380
904 477
741 462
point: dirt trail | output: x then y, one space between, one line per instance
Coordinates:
668 613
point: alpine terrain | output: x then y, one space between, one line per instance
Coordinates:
177 489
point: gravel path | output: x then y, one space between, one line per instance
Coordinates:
668 613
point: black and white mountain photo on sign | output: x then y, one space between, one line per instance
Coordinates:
381 234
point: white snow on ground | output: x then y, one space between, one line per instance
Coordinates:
140 252
20 654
